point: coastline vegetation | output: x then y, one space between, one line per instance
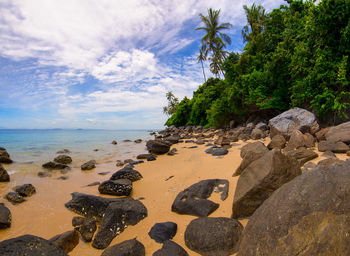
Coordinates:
294 56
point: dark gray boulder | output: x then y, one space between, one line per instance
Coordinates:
161 232
117 217
54 166
5 157
67 241
63 151
127 173
173 139
63 159
339 133
171 248
88 165
25 190
157 147
215 151
85 226
127 248
114 142
213 236
143 156
4 176
193 200
29 245
260 179
335 147
14 198
5 217
309 215
120 187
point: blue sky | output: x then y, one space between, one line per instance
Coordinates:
102 63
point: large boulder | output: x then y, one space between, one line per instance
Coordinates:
293 119
260 179
335 147
85 226
250 152
29 245
5 217
67 241
194 199
213 236
310 215
161 232
303 155
120 187
171 248
126 173
173 139
63 159
157 147
298 140
339 133
117 217
4 176
277 141
126 248
4 156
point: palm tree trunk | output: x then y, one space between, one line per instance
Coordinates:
205 79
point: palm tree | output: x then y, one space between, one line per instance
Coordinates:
256 18
214 41
200 59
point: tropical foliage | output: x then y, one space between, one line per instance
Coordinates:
296 55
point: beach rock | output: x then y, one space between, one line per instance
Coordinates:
114 142
85 226
171 248
103 173
260 179
172 139
193 200
43 174
213 236
310 215
29 245
262 126
126 140
120 187
63 151
5 157
348 153
250 152
257 134
88 165
215 151
138 141
5 217
161 232
293 119
329 154
14 198
63 159
4 176
151 158
278 141
303 155
143 156
298 139
335 147
67 241
127 248
329 161
127 173
222 140
117 217
65 170
25 190
339 133
321 134
157 147
54 166
172 152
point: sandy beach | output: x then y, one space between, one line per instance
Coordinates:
44 214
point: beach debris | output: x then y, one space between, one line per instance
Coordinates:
65 177
103 173
216 151
193 200
191 147
306 216
170 248
277 141
63 159
117 217
157 146
25 190
114 142
63 151
160 232
14 198
5 156
88 165
170 177
54 166
30 245
85 226
43 174
138 141
4 176
67 241
222 236
128 247
260 179
127 173
93 184
121 187
5 217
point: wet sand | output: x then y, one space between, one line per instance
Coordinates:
44 213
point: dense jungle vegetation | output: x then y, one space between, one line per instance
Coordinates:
297 55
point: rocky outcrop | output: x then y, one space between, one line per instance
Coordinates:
310 215
63 159
193 200
85 226
5 217
67 241
171 248
260 179
126 248
339 133
303 155
335 147
278 141
29 245
117 217
25 190
120 187
88 165
157 147
5 157
213 236
127 173
4 176
161 232
293 119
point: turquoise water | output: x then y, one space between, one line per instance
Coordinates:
26 146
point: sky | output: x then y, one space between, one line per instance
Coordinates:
103 64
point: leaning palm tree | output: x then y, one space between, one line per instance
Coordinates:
200 59
214 40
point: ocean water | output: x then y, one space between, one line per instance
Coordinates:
27 146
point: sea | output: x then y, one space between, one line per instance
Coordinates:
32 147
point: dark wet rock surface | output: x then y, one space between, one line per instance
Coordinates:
127 173
161 232
4 176
127 248
121 187
14 198
157 147
88 165
170 248
85 226
25 190
54 166
5 217
67 241
63 159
